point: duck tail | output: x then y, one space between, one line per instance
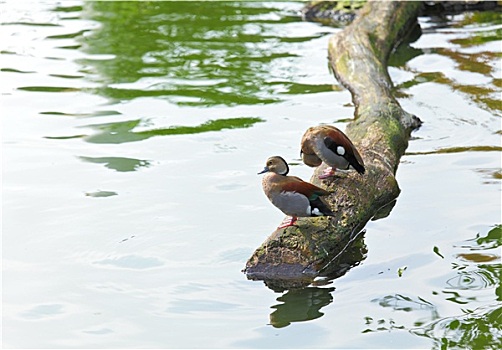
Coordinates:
320 208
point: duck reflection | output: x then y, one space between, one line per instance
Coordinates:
298 305
304 299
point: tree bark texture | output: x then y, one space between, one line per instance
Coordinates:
358 55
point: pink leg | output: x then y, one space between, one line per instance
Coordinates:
329 172
289 221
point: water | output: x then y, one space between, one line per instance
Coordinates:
131 138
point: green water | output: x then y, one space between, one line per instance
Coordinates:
132 133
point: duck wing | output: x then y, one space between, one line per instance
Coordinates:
337 142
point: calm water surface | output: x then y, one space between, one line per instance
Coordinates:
131 138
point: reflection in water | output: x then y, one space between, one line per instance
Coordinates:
48 89
352 254
297 88
400 302
457 298
493 239
469 59
121 132
384 211
482 278
43 311
478 257
118 163
13 70
229 53
300 305
403 54
478 269
458 150
101 194
90 114
380 325
479 329
491 175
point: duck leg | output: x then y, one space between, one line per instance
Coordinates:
288 221
329 172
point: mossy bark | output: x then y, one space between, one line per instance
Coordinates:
358 56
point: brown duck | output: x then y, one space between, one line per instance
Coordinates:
293 196
328 144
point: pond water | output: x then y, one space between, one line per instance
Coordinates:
132 133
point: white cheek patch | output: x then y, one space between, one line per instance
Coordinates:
340 150
316 212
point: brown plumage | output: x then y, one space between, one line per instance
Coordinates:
293 196
328 144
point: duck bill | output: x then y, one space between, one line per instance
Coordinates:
265 170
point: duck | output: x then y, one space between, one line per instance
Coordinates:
290 194
328 144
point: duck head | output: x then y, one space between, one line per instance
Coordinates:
276 165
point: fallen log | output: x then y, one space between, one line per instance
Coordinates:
358 55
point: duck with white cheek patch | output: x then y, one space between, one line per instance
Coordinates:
293 196
325 143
